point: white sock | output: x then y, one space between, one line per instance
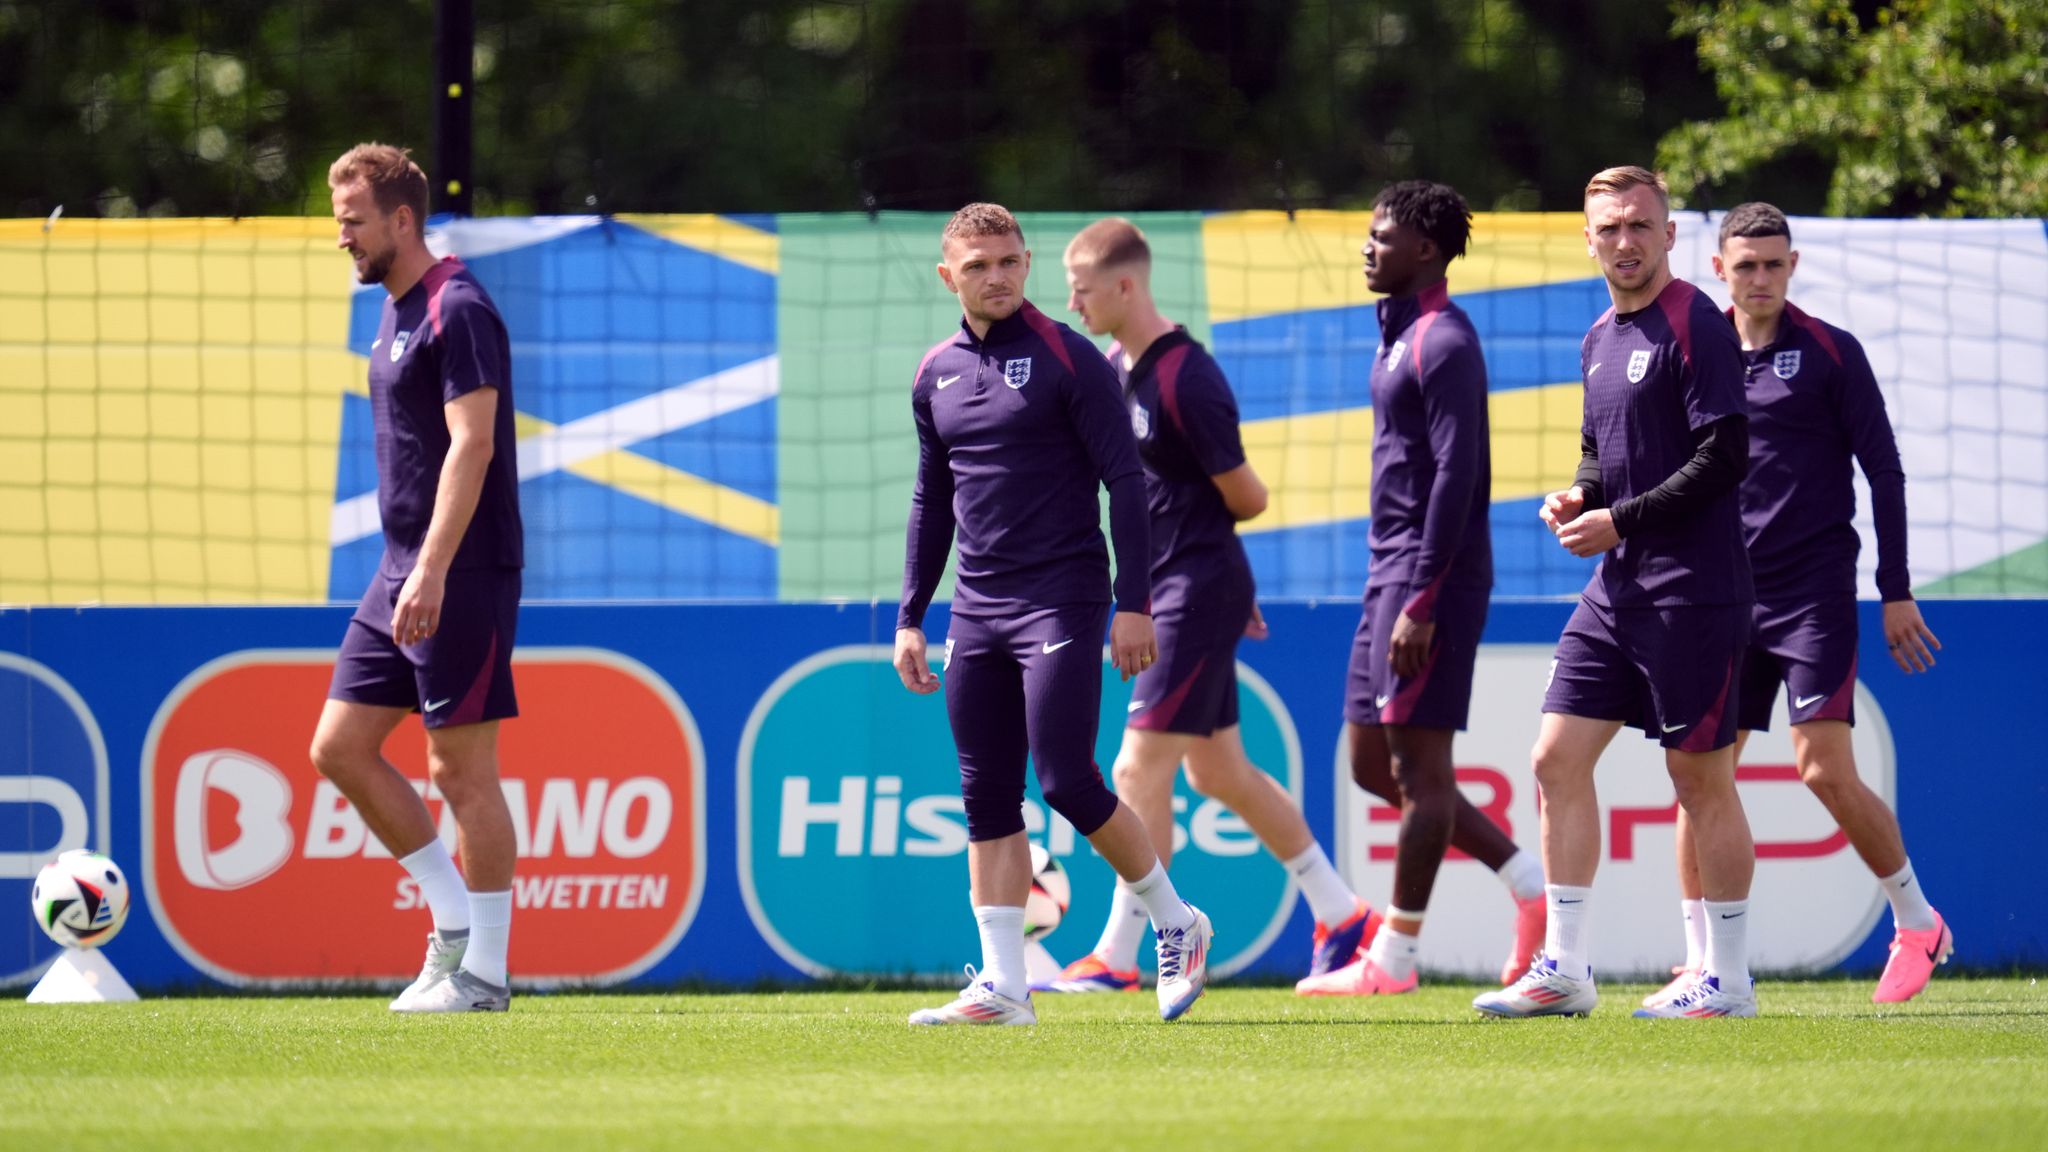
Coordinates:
1728 942
1161 902
1910 909
1695 913
1523 874
1002 948
1124 931
1395 952
1566 936
1329 898
490 932
433 869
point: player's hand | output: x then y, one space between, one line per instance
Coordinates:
1908 637
1132 647
1590 534
417 615
1255 628
1408 647
911 666
1560 508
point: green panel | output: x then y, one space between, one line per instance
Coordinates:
2021 573
859 304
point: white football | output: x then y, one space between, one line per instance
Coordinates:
1050 894
80 899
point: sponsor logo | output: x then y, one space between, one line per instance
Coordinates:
1673 727
1805 701
1137 705
1638 365
1395 353
945 380
259 871
878 825
1813 900
398 343
436 705
53 795
1593 369
1017 373
1381 701
1049 647
1786 364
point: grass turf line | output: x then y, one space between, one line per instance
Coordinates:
1966 1066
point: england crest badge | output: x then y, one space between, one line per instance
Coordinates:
398 343
1141 424
1786 364
1638 365
1017 373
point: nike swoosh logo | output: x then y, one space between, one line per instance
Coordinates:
945 380
1673 727
1803 701
1381 701
1730 915
432 705
1594 368
1934 953
1135 705
375 343
1571 901
1051 647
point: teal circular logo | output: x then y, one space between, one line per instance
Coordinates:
853 839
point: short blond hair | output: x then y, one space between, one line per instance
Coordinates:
393 179
979 219
1110 243
1615 181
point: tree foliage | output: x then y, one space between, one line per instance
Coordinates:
236 106
1915 107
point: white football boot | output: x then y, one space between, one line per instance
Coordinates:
978 1003
444 956
1184 965
1542 991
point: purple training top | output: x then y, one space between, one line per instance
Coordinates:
1185 419
442 341
1015 431
1432 456
1812 403
1654 377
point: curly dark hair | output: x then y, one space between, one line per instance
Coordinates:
1435 210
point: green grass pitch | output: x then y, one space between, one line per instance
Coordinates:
1965 1067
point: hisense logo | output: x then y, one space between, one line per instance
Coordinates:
870 816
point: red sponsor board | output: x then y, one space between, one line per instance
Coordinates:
259 871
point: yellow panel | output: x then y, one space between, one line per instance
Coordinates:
721 236
1535 439
1319 467
693 496
672 488
1264 264
168 332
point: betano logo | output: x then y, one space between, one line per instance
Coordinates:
53 794
1812 903
852 853
260 871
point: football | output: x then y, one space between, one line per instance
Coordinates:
1050 893
80 899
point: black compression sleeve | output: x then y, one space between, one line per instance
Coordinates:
1720 459
1587 479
